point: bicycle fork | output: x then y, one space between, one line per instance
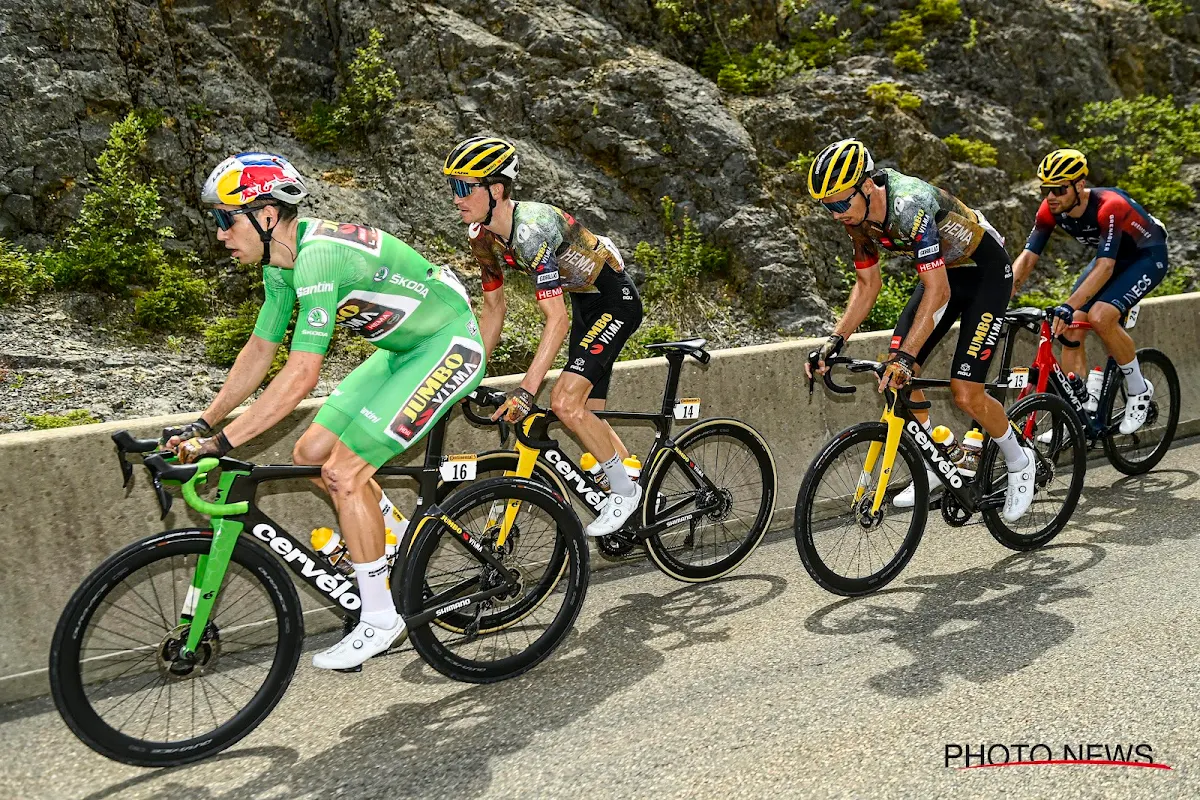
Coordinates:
888 448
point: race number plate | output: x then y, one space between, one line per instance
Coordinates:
1131 317
460 467
1018 378
688 408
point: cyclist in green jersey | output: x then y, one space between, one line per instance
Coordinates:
430 356
559 255
965 273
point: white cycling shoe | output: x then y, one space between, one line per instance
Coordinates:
908 497
616 512
1136 409
362 643
1019 496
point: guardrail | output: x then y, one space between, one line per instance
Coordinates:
65 511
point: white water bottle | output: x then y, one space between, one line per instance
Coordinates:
972 446
1095 382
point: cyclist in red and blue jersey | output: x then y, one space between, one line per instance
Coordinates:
1131 259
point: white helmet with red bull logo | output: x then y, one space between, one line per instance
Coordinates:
242 179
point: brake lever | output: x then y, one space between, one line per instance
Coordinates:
164 497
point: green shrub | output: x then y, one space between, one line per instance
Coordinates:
801 163
909 60
175 303
1140 145
893 297
906 32
1163 10
972 36
116 242
635 347
1057 288
673 272
21 275
524 323
369 92
225 336
45 421
887 93
1178 281
973 151
939 12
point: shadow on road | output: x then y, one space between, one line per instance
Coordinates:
980 624
1115 514
445 748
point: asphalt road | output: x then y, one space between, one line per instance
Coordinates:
762 684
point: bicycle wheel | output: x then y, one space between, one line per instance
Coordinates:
845 548
1138 452
114 668
495 465
736 459
1062 462
441 562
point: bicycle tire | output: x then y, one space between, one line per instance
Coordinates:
573 582
501 462
1113 441
666 556
1066 426
71 692
807 505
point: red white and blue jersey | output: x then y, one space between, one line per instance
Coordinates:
1113 222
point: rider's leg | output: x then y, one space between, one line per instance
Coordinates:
599 404
1074 359
1106 321
569 403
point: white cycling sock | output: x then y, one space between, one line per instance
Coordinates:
1134 382
618 478
391 514
1014 456
927 425
377 606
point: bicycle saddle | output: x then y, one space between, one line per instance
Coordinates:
691 347
1024 316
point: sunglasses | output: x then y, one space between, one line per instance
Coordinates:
224 218
841 206
1057 191
463 189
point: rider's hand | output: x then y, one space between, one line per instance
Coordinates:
1063 316
171 437
898 372
517 405
828 349
196 448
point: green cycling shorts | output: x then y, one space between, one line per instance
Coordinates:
391 400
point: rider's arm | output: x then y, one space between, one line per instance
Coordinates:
317 275
553 334
491 318
1022 267
255 358
867 283
1035 243
1111 215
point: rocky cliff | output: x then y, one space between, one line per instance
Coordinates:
603 98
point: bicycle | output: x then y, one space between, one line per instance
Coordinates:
835 530
696 479
1131 454
206 618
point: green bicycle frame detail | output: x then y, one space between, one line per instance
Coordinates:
210 568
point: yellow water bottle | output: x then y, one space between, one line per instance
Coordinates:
592 467
633 467
330 546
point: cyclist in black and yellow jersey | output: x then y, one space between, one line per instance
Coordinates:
559 255
965 274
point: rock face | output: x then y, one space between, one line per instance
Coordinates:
598 96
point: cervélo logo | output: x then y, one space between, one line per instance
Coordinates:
455 368
940 462
331 584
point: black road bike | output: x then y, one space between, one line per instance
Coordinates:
182 643
708 493
853 540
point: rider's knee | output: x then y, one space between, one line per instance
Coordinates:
967 396
309 451
1103 316
342 478
567 408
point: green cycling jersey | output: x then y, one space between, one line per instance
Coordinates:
363 279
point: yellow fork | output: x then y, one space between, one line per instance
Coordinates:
526 457
889 449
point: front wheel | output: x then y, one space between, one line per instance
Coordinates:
545 567
846 547
741 499
116 672
1062 461
1138 452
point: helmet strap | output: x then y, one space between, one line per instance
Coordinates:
264 236
491 204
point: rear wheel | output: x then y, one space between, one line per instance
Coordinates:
1138 452
501 637
115 667
847 549
739 464
1062 462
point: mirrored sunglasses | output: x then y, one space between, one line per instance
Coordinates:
461 188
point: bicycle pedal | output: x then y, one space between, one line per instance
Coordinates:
350 669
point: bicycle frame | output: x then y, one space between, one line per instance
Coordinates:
579 484
234 513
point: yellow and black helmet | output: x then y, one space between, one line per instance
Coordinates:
1062 167
488 158
840 166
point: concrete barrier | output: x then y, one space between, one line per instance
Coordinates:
60 491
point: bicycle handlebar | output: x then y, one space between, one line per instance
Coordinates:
186 475
862 365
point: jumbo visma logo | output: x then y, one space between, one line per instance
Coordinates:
591 335
456 367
